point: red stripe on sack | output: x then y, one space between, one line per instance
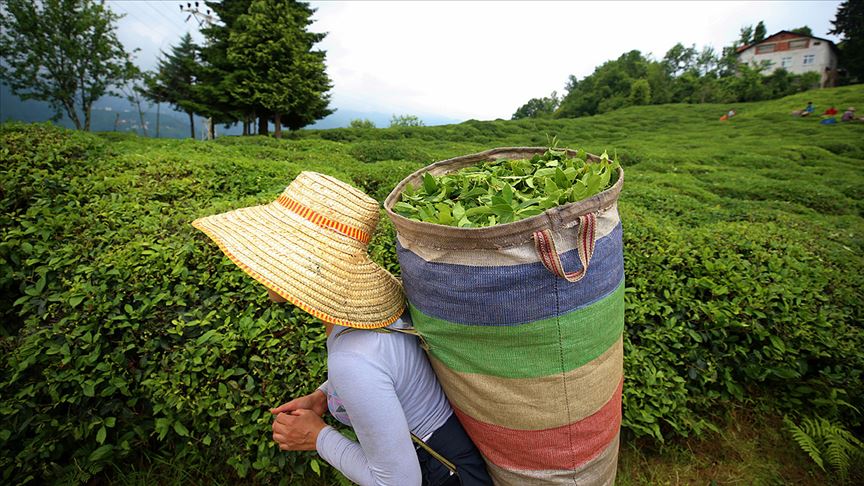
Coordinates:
561 448
549 251
323 221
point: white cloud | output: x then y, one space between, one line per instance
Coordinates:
484 59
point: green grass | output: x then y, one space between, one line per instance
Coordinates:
749 449
743 257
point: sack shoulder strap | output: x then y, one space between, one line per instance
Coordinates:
411 331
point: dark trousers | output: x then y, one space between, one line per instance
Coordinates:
451 441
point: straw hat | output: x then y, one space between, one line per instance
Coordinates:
309 246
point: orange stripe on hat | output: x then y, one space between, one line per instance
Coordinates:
323 221
290 298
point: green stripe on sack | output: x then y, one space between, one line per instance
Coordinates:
530 350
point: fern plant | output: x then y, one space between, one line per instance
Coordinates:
827 443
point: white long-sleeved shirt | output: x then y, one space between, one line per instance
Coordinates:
382 385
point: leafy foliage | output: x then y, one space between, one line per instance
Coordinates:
827 442
684 75
503 191
848 23
175 79
406 121
127 337
361 123
65 52
538 107
281 72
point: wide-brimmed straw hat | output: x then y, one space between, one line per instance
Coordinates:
310 247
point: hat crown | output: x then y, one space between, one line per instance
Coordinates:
335 200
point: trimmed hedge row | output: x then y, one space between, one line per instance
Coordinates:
126 334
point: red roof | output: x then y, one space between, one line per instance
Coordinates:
783 35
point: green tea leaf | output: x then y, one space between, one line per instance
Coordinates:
507 193
430 185
444 216
181 429
502 191
100 453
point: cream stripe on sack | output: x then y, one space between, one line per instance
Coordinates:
530 403
565 240
599 471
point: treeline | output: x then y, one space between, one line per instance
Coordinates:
684 75
257 63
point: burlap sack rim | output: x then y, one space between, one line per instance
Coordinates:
499 236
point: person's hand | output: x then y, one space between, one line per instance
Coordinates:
297 430
315 401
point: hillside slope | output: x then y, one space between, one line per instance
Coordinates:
743 261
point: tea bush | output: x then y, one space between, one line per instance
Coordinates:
133 332
127 335
376 151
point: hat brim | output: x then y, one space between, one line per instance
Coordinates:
321 271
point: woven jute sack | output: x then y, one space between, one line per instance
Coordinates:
524 323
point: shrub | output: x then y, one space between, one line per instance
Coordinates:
378 150
126 335
364 123
406 121
136 335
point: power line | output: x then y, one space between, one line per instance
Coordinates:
128 12
171 20
201 17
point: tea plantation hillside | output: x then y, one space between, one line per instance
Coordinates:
128 340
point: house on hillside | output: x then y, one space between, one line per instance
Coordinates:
796 53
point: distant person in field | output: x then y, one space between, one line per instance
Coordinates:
831 111
848 115
309 247
806 111
729 114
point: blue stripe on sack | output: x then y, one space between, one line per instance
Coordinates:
510 295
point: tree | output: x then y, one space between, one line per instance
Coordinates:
134 91
803 31
364 123
65 52
538 107
219 77
745 36
406 121
282 72
679 59
707 61
640 92
759 32
849 23
606 89
175 79
749 84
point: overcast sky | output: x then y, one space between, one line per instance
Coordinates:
483 60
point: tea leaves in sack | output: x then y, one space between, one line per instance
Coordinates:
503 191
